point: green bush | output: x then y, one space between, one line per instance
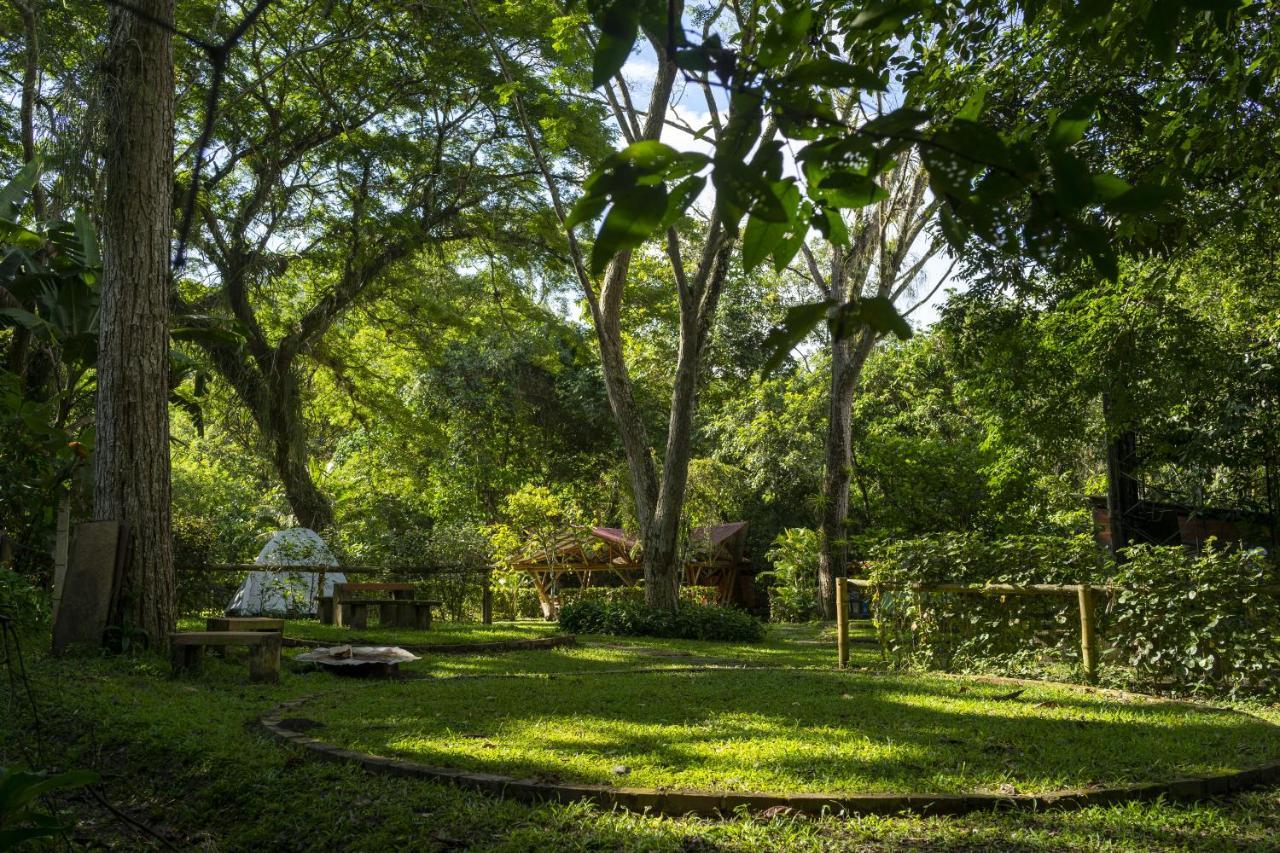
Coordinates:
793 595
949 631
21 600
1198 623
634 619
634 594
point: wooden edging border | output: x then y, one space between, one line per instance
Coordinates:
449 648
677 803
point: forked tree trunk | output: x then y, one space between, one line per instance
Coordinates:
284 425
131 458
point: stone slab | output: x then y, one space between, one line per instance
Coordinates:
91 585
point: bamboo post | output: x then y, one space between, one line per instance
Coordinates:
842 620
1088 634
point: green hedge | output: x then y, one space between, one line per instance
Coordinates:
1199 623
634 594
631 618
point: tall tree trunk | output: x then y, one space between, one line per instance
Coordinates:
131 458
1122 479
662 559
848 356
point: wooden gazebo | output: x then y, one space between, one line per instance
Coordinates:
585 557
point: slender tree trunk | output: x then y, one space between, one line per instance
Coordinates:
131 458
19 348
618 386
847 359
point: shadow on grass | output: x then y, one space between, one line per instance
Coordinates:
795 730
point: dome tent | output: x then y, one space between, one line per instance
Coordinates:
275 592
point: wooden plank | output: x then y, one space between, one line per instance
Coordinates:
88 592
219 638
243 623
842 621
409 571
991 588
375 587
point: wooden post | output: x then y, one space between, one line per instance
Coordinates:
1088 634
264 660
842 620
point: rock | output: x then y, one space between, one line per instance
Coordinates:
620 770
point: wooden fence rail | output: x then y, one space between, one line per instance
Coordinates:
410 571
1085 594
486 590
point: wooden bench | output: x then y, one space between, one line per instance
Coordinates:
401 610
187 651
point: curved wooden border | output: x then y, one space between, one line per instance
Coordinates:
554 642
677 803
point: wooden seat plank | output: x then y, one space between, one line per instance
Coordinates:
187 651
220 638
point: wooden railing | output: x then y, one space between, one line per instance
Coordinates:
409 571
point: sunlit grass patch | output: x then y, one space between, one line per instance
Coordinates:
767 730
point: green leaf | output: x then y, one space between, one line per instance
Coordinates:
879 313
15 192
972 108
1142 199
585 209
1070 127
759 239
850 189
648 155
837 73
679 199
635 215
1107 186
796 325
619 24
898 121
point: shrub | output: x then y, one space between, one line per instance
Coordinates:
634 619
962 631
1198 623
793 597
634 594
21 600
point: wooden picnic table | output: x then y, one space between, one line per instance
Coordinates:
401 610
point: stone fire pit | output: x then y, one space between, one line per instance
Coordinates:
359 661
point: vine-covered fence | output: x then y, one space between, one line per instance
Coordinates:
1085 594
1166 619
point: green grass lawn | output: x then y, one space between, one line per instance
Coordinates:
182 757
743 730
